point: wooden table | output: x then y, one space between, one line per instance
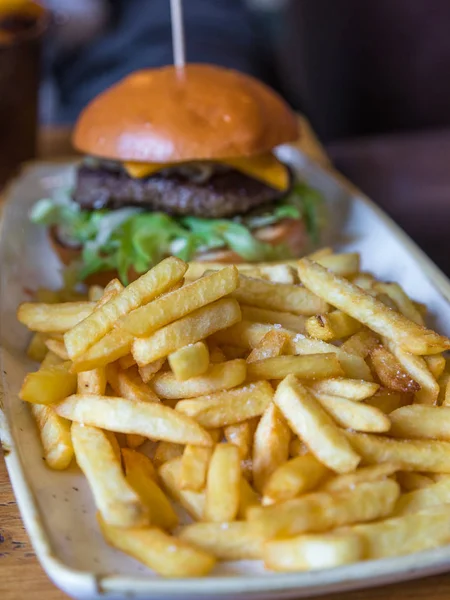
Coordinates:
22 577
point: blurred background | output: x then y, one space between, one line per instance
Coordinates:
371 77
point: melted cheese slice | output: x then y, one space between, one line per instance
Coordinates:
263 167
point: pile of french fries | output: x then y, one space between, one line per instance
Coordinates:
298 412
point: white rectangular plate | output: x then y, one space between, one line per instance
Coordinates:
57 507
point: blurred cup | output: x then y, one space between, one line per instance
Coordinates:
22 27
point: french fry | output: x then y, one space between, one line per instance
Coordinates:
345 264
312 424
320 511
215 354
92 382
126 362
166 451
402 303
310 552
182 302
361 343
237 540
270 445
223 484
58 348
421 421
391 373
37 348
287 298
150 285
197 326
134 440
228 407
263 315
149 419
56 440
194 468
352 389
387 401
293 478
297 448
332 326
410 481
444 390
406 534
49 385
417 369
413 455
113 346
53 318
192 502
247 498
189 361
281 273
274 343
241 435
221 376
166 555
348 481
349 298
141 475
127 384
308 366
116 500
147 372
436 364
232 352
354 415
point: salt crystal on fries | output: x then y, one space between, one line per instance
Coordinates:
116 500
165 554
195 327
311 552
320 511
347 297
238 540
150 285
313 425
228 407
221 376
149 419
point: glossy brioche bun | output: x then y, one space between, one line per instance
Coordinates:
203 112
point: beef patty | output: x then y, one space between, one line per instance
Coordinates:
225 194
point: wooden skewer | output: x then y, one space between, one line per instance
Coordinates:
176 12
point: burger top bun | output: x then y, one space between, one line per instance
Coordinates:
202 112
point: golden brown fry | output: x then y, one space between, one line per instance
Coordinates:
37 348
149 419
270 446
49 385
410 481
390 372
347 297
92 382
192 502
332 326
128 384
147 372
413 455
402 303
309 366
58 348
226 541
228 407
56 440
166 555
114 497
189 361
241 435
223 484
113 346
263 315
166 451
126 362
348 481
274 343
274 296
141 475
215 354
436 364
387 401
247 498
417 369
297 448
310 552
221 376
53 318
345 264
421 421
432 495
320 511
314 426
352 389
361 343
294 477
197 326
150 285
194 468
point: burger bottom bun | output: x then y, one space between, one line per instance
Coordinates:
290 232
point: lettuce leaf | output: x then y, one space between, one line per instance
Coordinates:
132 238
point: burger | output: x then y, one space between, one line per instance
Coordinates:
181 162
